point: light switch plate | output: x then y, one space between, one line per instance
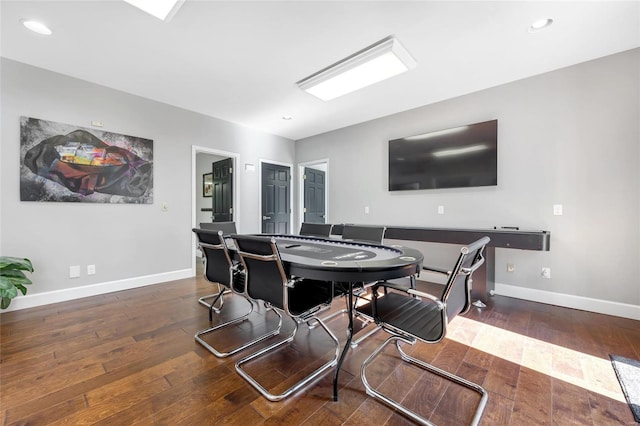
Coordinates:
74 271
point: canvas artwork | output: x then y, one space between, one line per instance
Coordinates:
62 162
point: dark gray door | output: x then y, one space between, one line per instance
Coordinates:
314 202
222 197
276 210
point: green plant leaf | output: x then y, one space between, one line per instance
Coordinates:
8 292
12 273
11 278
8 262
6 301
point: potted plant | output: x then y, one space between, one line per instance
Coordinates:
12 278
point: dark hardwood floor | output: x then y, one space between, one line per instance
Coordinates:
130 358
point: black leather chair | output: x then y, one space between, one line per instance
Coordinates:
300 299
227 228
425 318
368 234
220 270
316 229
365 233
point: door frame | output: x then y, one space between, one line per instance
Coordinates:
300 204
196 188
291 204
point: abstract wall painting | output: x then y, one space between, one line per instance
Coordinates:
62 162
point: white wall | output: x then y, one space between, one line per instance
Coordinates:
567 137
571 136
129 244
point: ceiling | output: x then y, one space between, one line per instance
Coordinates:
239 60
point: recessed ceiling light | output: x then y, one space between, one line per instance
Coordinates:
375 63
540 24
161 9
36 26
287 117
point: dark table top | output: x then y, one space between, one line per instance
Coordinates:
346 261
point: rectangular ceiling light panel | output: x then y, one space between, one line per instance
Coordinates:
375 63
161 9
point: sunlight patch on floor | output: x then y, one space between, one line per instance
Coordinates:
579 369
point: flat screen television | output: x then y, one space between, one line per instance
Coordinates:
461 157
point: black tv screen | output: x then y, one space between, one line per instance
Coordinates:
464 156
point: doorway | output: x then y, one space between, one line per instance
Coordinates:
204 185
202 159
275 184
313 191
222 190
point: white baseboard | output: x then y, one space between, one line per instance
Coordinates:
566 300
48 297
607 307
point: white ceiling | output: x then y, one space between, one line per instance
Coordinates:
239 60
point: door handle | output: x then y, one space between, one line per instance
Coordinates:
266 217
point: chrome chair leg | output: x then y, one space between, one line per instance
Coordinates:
369 333
215 297
366 320
220 354
203 300
435 370
308 379
312 324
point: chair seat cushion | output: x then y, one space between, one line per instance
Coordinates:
307 294
419 318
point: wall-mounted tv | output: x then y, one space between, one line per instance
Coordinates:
460 157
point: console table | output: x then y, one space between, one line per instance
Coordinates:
484 278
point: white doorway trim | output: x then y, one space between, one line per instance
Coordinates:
301 167
196 187
278 163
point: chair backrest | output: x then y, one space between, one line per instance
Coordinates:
364 233
227 228
217 259
316 229
457 291
265 274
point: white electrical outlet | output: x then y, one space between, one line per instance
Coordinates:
440 209
74 271
557 209
546 272
91 269
366 209
511 267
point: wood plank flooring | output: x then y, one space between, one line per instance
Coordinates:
129 358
